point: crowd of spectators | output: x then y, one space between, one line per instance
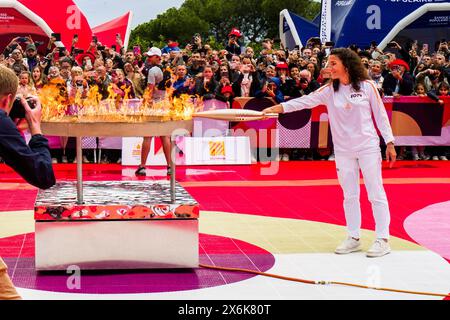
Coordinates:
225 74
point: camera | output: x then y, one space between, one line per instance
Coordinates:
18 111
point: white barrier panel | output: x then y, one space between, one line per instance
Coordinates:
131 152
209 127
191 151
217 151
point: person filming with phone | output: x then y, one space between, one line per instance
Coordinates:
33 161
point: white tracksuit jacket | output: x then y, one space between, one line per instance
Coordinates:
350 115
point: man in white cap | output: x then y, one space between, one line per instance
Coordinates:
155 94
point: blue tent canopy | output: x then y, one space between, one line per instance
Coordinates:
348 22
296 30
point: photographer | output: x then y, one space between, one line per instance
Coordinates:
399 82
196 45
233 46
32 162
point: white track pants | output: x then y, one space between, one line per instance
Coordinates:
348 167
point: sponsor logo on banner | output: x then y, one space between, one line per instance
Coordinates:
137 150
217 150
5 17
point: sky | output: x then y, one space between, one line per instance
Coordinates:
100 11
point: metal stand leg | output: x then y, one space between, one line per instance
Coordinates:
173 166
79 171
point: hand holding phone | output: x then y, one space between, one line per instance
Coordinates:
137 50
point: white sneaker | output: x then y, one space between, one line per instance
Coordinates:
379 248
332 158
285 157
435 158
424 156
348 246
416 157
85 160
54 161
443 158
64 159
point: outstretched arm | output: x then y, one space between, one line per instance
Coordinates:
317 98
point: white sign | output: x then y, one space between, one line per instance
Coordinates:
131 152
191 151
217 151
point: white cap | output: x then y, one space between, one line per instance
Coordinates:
154 52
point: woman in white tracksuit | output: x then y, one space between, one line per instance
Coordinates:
351 100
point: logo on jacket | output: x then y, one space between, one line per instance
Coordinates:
356 95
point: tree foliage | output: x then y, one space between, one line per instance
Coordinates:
257 19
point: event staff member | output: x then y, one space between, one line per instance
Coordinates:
156 94
33 162
351 99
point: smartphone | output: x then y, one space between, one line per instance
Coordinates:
137 50
57 36
425 46
329 44
22 39
94 39
114 47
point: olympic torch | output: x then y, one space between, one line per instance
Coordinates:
235 115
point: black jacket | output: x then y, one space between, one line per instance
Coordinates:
406 85
32 162
209 91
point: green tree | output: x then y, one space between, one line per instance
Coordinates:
257 19
271 9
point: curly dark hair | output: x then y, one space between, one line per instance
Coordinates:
352 62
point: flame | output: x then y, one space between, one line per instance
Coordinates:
89 105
